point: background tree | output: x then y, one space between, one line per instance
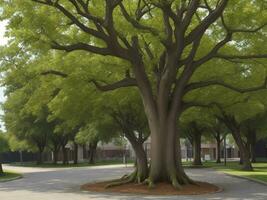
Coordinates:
254 129
219 133
196 123
133 125
18 145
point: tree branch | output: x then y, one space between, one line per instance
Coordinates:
126 82
54 72
241 57
202 27
202 84
136 24
81 46
214 51
74 19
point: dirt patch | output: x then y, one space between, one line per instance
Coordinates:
160 189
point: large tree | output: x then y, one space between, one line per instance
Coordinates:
160 44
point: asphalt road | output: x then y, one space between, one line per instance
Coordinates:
64 184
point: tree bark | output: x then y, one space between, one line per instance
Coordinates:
55 156
244 152
166 165
253 154
92 152
56 145
218 141
1 167
141 157
75 158
65 156
1 170
197 148
252 147
235 128
40 156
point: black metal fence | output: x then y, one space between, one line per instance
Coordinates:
10 157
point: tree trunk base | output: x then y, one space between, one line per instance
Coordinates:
247 168
1 170
176 181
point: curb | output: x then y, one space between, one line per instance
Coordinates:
247 178
11 179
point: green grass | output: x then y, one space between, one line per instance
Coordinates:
233 168
9 176
83 164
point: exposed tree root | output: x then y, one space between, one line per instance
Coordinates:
176 180
185 180
124 180
124 177
175 183
149 182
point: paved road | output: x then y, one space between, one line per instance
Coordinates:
64 184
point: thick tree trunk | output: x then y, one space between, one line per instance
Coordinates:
75 158
197 149
141 161
241 158
253 154
92 152
246 160
252 147
244 152
55 156
1 170
40 156
141 158
166 165
218 140
65 156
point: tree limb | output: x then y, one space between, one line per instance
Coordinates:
241 57
74 19
54 72
214 51
202 27
126 82
136 24
81 46
202 84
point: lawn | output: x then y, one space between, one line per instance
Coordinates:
9 176
233 168
82 164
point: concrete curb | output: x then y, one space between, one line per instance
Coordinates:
11 179
247 178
